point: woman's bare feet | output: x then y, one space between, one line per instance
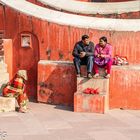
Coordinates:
22 110
107 76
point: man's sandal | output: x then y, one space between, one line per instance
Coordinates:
96 75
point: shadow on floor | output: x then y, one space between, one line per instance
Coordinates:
62 107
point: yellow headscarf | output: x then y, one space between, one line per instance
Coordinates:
22 73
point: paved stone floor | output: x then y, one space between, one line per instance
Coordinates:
49 122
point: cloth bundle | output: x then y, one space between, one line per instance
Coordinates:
120 60
91 91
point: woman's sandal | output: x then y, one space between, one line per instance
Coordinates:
107 76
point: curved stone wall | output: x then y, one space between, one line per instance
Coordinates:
94 8
74 20
57 33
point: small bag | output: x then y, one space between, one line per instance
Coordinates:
120 60
101 61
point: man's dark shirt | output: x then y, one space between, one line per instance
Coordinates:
80 47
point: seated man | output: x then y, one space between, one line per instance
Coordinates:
83 55
16 88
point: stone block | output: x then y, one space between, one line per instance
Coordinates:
101 84
56 82
7 104
124 87
89 103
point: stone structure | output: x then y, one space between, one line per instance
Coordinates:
51 35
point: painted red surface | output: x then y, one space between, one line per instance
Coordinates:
89 103
56 83
124 88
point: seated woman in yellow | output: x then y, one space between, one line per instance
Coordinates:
17 88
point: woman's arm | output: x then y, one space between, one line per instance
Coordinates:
108 51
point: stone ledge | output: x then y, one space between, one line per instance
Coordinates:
7 104
102 84
124 87
93 7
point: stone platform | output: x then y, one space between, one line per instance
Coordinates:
92 103
89 103
56 82
7 104
124 87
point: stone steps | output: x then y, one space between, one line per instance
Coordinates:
102 84
89 103
98 103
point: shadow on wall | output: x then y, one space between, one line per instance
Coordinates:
57 84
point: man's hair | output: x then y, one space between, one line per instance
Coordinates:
85 37
103 38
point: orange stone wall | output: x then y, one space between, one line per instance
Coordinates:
124 88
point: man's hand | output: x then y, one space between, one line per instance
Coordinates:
82 54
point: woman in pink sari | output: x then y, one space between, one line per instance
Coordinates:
102 57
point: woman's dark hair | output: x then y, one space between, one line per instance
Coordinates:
85 37
103 38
